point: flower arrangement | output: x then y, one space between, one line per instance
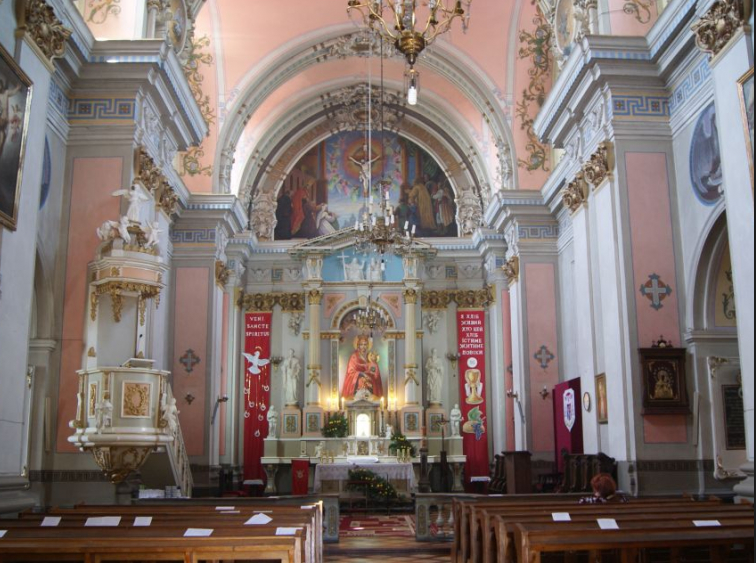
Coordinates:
377 487
336 427
400 442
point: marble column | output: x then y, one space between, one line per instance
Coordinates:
313 384
411 374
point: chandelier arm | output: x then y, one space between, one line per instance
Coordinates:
370 15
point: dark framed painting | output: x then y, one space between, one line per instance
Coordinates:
15 103
602 406
664 384
745 93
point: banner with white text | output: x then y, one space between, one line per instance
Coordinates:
471 329
256 390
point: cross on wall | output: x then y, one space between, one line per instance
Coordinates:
189 360
655 290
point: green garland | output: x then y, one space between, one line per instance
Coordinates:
336 427
377 487
399 442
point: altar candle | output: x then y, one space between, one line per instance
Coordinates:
342 403
382 400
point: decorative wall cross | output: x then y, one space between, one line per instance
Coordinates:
655 290
544 356
189 360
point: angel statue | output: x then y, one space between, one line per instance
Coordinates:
152 230
135 197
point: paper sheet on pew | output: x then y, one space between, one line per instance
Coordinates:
198 533
306 506
3 532
143 521
103 521
258 520
286 531
561 517
706 523
50 521
607 523
225 508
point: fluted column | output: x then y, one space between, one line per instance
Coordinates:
313 367
411 375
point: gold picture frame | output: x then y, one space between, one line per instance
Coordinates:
745 94
15 106
602 406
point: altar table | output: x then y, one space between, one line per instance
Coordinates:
340 472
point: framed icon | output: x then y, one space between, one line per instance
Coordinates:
663 378
602 406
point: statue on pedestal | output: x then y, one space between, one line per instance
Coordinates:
292 370
455 418
272 417
434 372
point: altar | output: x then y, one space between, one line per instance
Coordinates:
332 477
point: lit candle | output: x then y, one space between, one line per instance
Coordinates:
342 403
406 225
382 401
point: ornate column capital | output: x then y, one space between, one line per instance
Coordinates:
575 194
717 26
410 296
512 269
47 33
315 296
599 166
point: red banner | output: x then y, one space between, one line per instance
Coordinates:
256 390
471 328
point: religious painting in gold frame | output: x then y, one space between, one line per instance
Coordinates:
602 406
745 93
15 104
663 380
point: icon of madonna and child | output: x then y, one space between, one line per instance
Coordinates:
362 380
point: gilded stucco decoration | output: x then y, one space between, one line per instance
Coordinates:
38 20
196 58
410 296
599 166
315 296
222 273
717 26
98 11
136 399
536 47
464 298
149 174
258 302
116 290
512 269
575 194
346 108
118 461
262 218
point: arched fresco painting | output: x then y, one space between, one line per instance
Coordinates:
323 192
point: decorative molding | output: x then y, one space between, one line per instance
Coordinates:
633 106
100 10
37 19
639 9
464 298
691 84
512 269
204 237
599 166
315 296
118 461
675 466
575 195
550 231
410 296
717 26
289 302
101 110
116 289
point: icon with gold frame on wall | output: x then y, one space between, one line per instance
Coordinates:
602 406
745 93
15 104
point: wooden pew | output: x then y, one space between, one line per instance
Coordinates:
504 529
533 540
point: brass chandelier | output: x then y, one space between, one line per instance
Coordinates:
401 23
371 319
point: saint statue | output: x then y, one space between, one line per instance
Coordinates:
272 417
363 375
103 414
455 417
376 272
292 369
354 270
434 373
170 415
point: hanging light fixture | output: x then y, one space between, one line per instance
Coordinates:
401 22
370 319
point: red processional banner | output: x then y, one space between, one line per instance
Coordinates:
256 390
471 329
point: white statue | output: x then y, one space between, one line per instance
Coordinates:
376 271
104 414
354 270
153 231
320 450
389 432
295 323
255 362
123 229
410 266
432 320
105 231
292 370
455 418
434 373
170 415
135 197
272 417
314 267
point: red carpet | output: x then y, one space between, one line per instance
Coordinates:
383 526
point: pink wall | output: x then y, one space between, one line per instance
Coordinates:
506 317
540 291
106 24
627 24
224 373
93 181
653 253
190 332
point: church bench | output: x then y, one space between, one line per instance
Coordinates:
482 530
533 540
504 551
92 545
467 532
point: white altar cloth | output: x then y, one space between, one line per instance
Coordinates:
340 472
